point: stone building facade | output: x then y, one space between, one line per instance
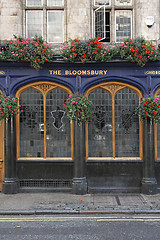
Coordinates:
117 152
78 18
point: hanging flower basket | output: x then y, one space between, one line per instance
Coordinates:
149 107
9 107
79 108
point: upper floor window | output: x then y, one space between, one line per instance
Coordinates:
113 19
45 18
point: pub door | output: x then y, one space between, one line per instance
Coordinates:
1 153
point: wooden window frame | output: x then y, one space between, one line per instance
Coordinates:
113 88
44 88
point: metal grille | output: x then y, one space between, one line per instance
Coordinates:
37 183
126 124
100 129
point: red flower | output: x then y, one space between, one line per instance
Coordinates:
146 102
75 54
154 112
95 52
38 60
140 57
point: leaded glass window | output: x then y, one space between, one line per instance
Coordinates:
126 124
45 130
45 18
31 120
115 129
123 25
113 20
100 129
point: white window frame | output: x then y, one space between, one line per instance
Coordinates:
119 5
104 32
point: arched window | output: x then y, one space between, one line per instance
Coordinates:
43 129
116 131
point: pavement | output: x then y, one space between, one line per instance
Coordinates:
67 203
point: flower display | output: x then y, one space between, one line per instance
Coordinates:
79 108
9 107
90 50
33 50
139 51
149 107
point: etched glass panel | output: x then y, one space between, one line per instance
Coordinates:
55 2
32 3
57 125
101 2
126 124
123 25
100 129
34 20
55 23
123 2
31 124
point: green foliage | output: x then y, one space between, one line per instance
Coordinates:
8 107
79 108
149 107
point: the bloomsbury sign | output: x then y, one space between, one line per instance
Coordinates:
78 72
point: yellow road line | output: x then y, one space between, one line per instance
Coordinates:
79 218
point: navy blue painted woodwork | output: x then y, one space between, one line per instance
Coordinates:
19 74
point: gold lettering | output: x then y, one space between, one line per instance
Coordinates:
66 72
105 72
92 72
100 72
74 72
50 72
88 72
59 72
79 72
83 72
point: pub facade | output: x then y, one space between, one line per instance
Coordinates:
41 150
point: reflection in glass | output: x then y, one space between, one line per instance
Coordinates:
31 124
126 124
123 25
57 124
100 129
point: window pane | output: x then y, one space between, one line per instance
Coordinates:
126 124
123 2
57 124
101 2
123 25
31 3
31 124
34 23
55 2
100 129
55 24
